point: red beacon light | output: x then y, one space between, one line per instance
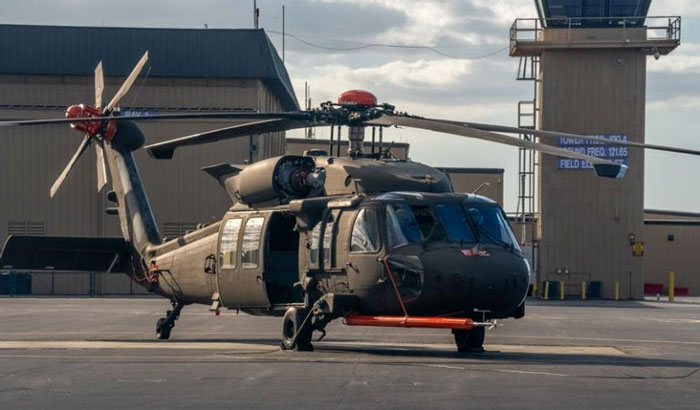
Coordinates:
357 97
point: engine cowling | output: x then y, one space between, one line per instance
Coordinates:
279 179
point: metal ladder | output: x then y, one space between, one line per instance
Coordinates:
528 160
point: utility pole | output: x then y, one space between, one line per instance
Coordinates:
256 15
307 106
283 34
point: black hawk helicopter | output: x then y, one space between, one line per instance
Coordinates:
368 238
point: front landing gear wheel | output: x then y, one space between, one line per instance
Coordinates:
296 331
165 324
470 341
163 328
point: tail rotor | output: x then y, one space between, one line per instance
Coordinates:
99 131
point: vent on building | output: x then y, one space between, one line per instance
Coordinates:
174 229
26 228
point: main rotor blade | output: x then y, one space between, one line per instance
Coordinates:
165 150
552 134
127 83
603 167
297 115
99 85
101 166
57 184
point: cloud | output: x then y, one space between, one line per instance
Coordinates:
686 8
683 102
395 75
686 59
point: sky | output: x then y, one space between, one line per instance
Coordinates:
434 58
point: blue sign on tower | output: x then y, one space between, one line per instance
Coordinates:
615 153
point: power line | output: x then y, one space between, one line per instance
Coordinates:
364 46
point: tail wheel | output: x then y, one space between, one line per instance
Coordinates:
163 329
470 340
296 331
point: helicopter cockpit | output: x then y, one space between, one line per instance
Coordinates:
455 222
438 248
430 220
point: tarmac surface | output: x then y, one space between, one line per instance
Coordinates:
88 353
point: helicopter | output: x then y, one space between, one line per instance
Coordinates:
365 237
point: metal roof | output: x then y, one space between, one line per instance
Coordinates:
189 53
585 11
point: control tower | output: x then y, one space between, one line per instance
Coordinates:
590 79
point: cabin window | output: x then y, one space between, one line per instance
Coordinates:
313 247
365 235
251 243
229 244
402 227
328 238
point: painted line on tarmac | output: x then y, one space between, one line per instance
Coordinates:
502 348
635 318
262 348
599 339
94 344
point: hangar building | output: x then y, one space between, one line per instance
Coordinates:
44 69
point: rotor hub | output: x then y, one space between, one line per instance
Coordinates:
106 129
357 98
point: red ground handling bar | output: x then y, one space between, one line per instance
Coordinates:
431 322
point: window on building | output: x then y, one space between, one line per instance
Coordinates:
365 235
25 228
251 242
229 243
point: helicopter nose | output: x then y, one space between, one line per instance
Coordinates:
459 279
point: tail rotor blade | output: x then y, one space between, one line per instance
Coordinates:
127 83
99 85
101 167
83 146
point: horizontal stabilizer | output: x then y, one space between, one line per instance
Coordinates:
64 253
221 171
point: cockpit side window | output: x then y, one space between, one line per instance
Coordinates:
365 234
401 225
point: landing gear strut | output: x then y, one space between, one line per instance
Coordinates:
470 340
165 324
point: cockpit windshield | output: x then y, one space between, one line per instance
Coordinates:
454 221
491 225
449 222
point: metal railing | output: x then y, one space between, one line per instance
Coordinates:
658 28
